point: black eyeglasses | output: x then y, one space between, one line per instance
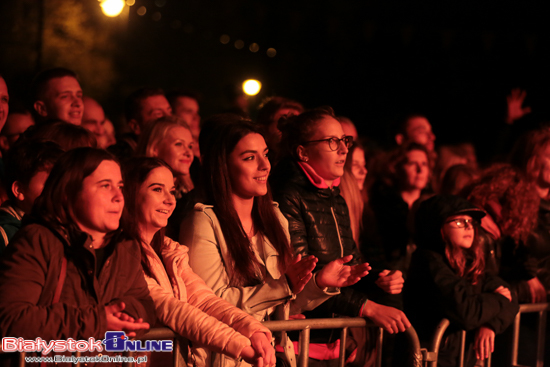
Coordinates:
334 143
461 223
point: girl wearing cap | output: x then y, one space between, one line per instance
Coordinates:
447 280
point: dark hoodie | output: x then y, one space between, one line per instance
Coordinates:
435 291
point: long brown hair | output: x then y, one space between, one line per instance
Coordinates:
135 172
468 263
223 133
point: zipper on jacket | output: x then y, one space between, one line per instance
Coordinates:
338 232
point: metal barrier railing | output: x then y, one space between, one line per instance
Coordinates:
305 326
430 356
542 309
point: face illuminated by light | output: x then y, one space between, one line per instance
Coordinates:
249 167
456 236
98 205
94 118
155 201
62 100
176 149
327 163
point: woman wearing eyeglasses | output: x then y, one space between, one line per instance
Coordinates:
306 187
447 279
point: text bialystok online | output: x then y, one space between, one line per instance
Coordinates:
115 341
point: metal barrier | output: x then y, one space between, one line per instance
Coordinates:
305 326
542 309
430 356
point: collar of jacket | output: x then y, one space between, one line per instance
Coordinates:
288 170
74 239
315 178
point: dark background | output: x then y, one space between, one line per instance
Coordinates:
372 61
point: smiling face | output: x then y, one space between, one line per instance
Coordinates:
359 167
176 149
415 170
458 237
62 100
98 205
329 164
249 167
155 201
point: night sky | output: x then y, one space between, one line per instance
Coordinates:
371 60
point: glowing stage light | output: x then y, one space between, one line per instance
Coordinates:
252 87
112 8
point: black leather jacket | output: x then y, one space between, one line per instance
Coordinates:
319 225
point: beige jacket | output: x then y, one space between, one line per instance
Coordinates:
189 307
208 256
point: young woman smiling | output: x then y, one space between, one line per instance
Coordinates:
169 138
239 240
182 301
69 273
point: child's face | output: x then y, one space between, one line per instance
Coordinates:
459 231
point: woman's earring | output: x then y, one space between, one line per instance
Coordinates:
306 159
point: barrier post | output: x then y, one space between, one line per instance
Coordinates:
343 341
540 341
303 358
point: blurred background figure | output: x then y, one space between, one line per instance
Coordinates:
4 102
271 111
17 123
94 121
392 197
28 165
185 105
349 127
416 129
145 105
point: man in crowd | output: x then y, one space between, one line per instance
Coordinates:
56 94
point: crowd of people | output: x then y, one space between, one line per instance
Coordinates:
211 227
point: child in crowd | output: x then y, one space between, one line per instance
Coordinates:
28 165
447 279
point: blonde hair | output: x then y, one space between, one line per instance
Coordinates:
153 134
354 199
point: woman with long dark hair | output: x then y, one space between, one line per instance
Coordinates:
182 301
70 273
239 240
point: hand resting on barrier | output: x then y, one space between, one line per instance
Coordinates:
390 319
484 342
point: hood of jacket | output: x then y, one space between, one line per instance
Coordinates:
433 213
